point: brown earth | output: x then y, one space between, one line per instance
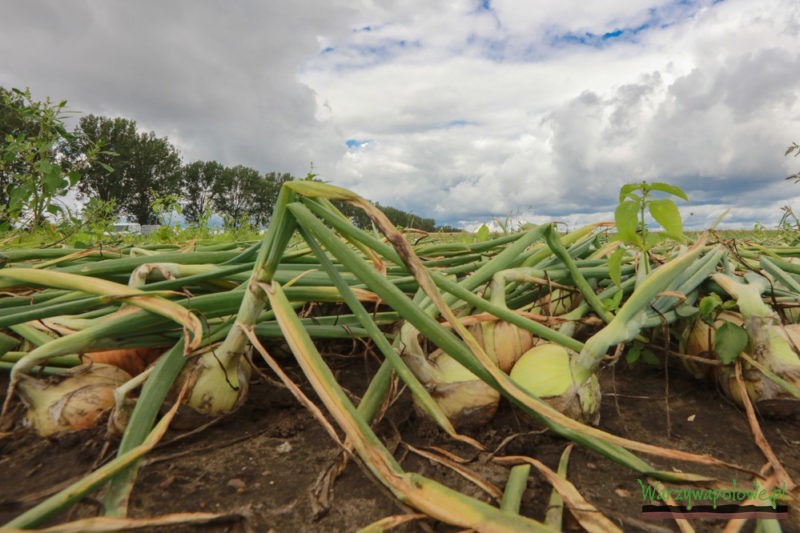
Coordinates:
261 464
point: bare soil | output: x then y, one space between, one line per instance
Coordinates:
261 464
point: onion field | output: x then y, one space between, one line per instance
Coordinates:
326 378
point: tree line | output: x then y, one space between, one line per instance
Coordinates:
109 160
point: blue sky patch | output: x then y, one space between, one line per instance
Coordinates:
355 144
660 18
600 40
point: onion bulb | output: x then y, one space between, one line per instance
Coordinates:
504 342
700 343
546 372
71 401
215 389
467 401
131 360
772 345
559 302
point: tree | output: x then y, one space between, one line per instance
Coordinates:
237 194
273 183
240 194
197 184
357 216
398 217
36 163
12 125
139 167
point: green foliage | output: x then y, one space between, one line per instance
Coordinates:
239 194
504 224
97 218
612 304
729 341
239 229
789 226
404 219
164 207
615 266
638 351
483 235
136 168
635 199
709 308
37 165
197 185
446 228
398 217
199 228
131 173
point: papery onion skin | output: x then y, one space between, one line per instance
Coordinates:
72 401
770 344
467 401
504 342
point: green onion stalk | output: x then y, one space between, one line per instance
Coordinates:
568 381
219 376
47 346
466 399
540 367
545 370
463 346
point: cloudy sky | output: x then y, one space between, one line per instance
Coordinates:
461 110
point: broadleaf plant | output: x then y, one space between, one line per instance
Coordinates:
37 166
730 340
635 201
